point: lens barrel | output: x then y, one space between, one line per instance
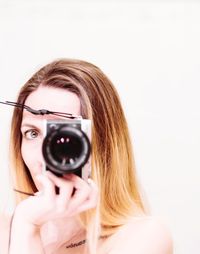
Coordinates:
66 149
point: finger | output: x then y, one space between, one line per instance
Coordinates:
65 190
58 181
90 203
38 193
93 198
47 186
78 182
82 203
81 188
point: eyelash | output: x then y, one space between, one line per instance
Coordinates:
30 132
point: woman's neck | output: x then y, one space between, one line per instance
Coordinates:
58 233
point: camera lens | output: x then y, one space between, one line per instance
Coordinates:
66 149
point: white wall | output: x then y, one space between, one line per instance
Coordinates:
150 50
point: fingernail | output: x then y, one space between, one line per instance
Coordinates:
89 181
39 193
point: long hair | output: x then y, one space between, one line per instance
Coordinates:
113 167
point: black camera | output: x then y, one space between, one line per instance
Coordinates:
66 147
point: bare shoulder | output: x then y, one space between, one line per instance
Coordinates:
4 232
143 235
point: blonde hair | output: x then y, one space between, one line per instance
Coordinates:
112 157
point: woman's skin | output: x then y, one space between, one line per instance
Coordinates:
55 215
4 232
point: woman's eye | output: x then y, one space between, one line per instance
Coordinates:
31 134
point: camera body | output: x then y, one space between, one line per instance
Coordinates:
67 147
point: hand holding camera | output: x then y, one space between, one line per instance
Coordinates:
75 196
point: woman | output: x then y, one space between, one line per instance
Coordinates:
104 215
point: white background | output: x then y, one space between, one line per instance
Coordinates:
151 52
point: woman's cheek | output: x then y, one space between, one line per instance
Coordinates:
33 161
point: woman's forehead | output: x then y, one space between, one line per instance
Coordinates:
54 99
